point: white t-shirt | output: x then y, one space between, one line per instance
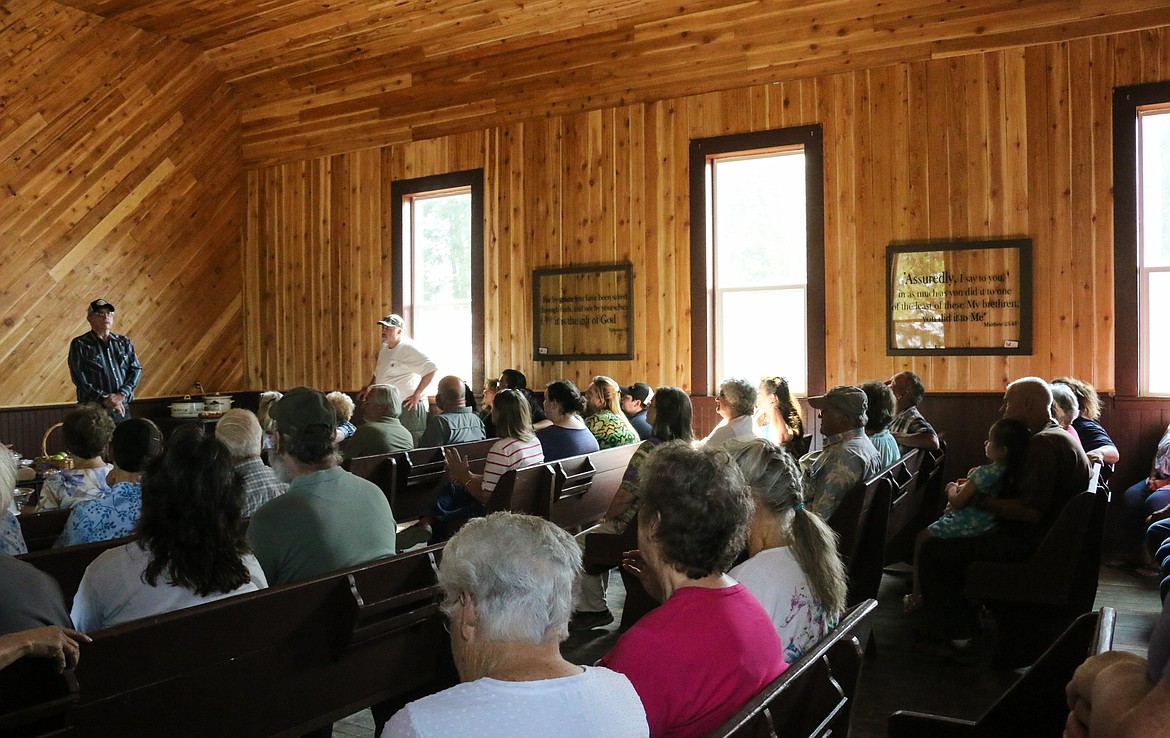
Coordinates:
112 590
743 426
402 366
777 581
598 703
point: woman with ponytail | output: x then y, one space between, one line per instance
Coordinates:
794 570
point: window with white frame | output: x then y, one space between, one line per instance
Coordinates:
437 280
1153 249
757 239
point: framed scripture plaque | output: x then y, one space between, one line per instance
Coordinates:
583 313
959 297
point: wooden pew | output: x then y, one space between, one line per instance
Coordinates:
860 522
525 490
36 700
67 564
1034 600
921 507
814 696
585 485
411 480
278 662
41 530
1034 706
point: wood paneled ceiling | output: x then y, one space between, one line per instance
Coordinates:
318 76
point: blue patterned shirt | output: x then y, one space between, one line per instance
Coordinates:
11 537
101 368
111 515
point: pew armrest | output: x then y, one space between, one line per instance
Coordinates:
909 724
381 617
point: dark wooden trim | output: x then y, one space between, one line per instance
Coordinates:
402 188
1126 101
702 344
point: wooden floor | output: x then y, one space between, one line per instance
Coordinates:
895 680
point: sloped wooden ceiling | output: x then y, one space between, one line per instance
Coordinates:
318 77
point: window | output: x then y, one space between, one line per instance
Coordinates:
757 239
1141 172
437 274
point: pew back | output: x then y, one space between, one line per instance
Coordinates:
42 529
583 486
67 565
321 649
814 696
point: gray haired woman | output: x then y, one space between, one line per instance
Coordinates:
508 585
794 570
736 404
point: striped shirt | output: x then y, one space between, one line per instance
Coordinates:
101 368
509 453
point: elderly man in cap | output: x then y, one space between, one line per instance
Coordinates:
328 519
405 366
635 403
848 456
103 364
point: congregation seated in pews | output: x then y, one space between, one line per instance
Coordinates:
572 493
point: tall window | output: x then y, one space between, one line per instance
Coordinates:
1141 172
1153 253
757 251
437 281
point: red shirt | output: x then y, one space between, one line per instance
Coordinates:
698 658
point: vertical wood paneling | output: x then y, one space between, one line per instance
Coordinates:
1005 143
120 177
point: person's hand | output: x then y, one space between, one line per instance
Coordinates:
633 562
410 402
361 396
457 467
57 643
1096 457
1158 515
1085 682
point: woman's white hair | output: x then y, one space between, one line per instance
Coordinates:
1063 397
521 571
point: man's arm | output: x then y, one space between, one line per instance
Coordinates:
410 402
133 372
1105 454
924 439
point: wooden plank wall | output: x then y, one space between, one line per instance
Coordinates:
1004 143
120 177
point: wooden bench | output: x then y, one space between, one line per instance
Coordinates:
860 524
67 564
1034 600
921 505
584 486
412 480
1033 707
278 662
41 530
814 696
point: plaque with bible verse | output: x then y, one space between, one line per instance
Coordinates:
583 313
959 297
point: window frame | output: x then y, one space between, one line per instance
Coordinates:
400 191
1127 104
703 337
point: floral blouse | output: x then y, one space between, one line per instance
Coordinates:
609 430
69 486
111 515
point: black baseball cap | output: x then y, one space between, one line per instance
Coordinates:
100 304
638 391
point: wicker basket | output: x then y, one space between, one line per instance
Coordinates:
65 463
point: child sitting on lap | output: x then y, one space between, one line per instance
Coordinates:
1005 446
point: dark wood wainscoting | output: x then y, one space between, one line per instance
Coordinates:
24 427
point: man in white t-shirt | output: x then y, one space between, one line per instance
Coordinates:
403 365
508 584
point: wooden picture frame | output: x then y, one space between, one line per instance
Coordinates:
971 297
583 313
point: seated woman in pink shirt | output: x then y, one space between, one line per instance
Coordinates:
710 646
